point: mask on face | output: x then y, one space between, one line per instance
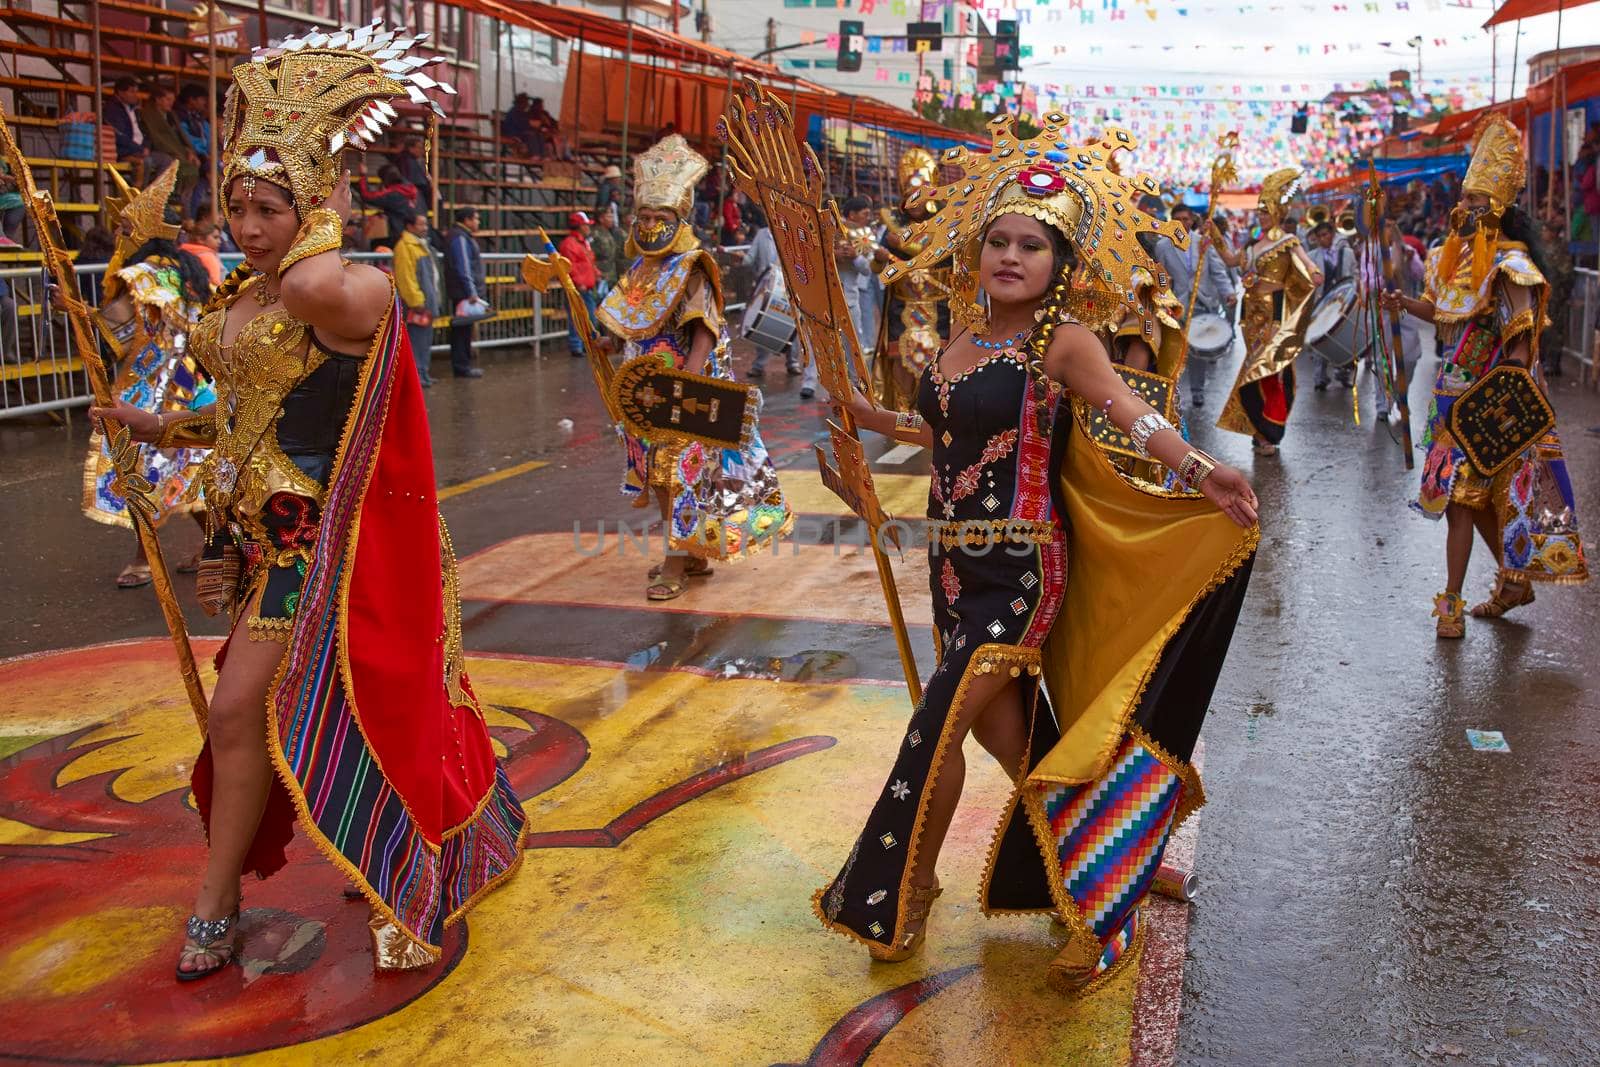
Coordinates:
655 235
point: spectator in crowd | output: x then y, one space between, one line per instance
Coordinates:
516 126
122 115
1558 260
12 211
732 219
203 241
465 280
167 142
584 272
608 240
416 280
609 193
394 196
547 129
194 123
408 163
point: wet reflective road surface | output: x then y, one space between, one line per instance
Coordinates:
1373 889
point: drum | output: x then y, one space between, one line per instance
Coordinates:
1210 336
768 321
1334 333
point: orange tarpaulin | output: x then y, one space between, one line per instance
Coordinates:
1513 10
593 29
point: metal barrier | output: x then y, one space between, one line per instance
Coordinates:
1583 305
39 372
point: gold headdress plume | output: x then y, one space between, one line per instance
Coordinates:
297 105
139 215
1498 169
666 174
1069 186
1277 190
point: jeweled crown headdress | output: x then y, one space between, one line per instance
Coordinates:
1498 169
666 174
1069 186
1277 190
297 105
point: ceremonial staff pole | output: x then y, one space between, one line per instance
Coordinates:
1396 381
1222 171
128 482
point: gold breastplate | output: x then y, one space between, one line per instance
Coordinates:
271 355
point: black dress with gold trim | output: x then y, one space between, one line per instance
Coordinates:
1129 643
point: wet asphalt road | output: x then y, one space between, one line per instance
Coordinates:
1373 890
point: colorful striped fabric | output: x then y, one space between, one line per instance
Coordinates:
352 809
1110 835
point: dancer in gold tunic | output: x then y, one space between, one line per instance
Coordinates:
915 315
718 504
1280 288
150 300
1488 303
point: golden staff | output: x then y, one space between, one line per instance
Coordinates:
128 482
538 271
784 177
1223 172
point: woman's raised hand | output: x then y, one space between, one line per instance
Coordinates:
1229 489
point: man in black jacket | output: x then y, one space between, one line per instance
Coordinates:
465 279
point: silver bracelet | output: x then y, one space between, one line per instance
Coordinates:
1145 427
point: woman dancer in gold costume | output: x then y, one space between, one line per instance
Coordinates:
341 701
1280 287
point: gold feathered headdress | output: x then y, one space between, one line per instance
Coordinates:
140 215
1277 190
666 174
296 106
1068 186
1498 169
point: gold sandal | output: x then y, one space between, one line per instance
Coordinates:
919 904
1448 608
205 940
665 587
1507 593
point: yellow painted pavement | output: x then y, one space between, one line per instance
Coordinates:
692 941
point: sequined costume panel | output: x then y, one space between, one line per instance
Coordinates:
723 502
1532 498
997 573
282 402
155 373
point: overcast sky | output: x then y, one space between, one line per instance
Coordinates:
1284 25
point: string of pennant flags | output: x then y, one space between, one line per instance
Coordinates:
1046 11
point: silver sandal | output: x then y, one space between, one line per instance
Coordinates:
203 937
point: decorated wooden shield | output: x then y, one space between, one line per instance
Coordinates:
1153 389
1499 418
674 407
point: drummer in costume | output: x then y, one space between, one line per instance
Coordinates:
151 300
1280 289
1216 293
915 315
1331 253
328 549
1486 295
718 504
1122 596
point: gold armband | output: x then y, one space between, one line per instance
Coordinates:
1195 468
322 230
907 427
190 430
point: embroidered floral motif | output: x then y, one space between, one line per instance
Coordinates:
968 481
949 581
